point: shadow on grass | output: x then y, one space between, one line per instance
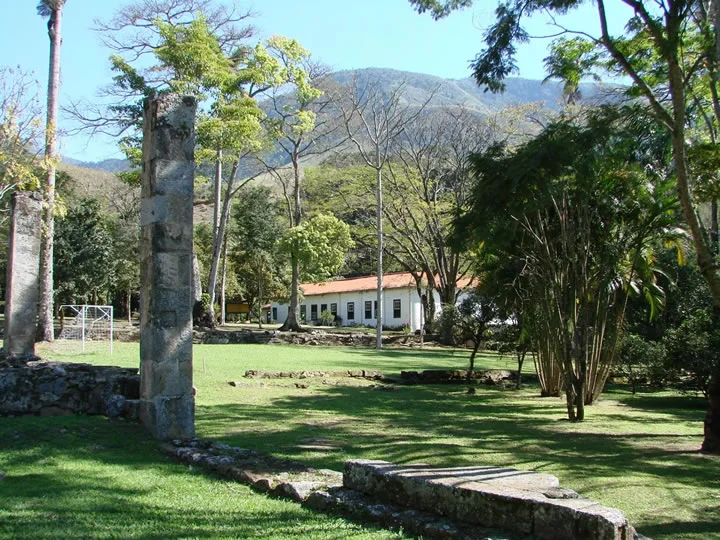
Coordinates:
80 477
443 426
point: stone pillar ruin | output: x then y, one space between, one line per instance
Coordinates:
167 405
22 285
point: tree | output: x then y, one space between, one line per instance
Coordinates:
671 48
20 129
428 184
257 227
85 258
52 10
374 121
572 210
301 127
320 245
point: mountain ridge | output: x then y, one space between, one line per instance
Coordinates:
419 87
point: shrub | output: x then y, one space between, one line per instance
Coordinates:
327 318
693 350
643 362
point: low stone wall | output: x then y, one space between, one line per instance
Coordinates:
508 499
436 376
370 374
321 490
47 388
311 337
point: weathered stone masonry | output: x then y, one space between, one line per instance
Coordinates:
23 274
167 406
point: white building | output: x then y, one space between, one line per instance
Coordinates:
354 301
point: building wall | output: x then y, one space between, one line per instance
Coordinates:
410 307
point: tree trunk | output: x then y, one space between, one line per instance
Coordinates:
218 239
476 346
223 282
291 324
705 256
379 310
128 305
521 360
711 441
45 319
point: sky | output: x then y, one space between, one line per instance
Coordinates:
345 34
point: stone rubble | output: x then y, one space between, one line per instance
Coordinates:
46 388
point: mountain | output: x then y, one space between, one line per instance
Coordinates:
419 87
107 165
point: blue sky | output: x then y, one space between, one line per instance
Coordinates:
343 34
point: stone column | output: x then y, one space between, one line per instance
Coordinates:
167 406
22 285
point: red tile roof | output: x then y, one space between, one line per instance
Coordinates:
395 280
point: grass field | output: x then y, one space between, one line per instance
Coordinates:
636 453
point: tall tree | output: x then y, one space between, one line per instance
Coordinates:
53 11
20 131
375 120
668 47
301 127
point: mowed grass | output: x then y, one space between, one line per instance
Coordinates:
87 477
636 453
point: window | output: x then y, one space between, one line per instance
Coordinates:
323 307
303 312
396 309
313 312
274 314
368 309
351 311
333 309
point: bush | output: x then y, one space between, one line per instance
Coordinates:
448 327
693 350
326 318
643 362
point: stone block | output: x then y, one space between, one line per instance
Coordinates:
23 274
496 497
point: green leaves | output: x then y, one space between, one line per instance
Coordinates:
194 54
320 244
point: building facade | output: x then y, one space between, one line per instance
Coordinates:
353 301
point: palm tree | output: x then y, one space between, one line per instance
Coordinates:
52 10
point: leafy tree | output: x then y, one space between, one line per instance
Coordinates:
670 51
53 11
320 245
301 127
572 213
257 227
19 132
85 257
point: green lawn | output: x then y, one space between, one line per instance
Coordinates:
635 453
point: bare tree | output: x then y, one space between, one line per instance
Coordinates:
428 185
52 9
375 120
20 130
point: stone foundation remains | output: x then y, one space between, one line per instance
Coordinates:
522 502
457 503
57 389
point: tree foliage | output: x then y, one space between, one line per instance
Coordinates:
567 217
320 245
